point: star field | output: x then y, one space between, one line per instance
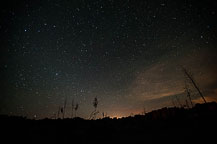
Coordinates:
125 53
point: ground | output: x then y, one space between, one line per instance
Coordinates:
170 125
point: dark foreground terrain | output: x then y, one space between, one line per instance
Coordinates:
166 125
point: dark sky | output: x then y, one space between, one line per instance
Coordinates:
126 53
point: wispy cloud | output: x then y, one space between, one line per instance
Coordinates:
165 79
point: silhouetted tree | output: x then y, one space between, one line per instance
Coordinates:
72 114
104 114
61 110
95 112
95 103
187 90
190 77
76 108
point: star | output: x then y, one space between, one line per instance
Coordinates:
123 53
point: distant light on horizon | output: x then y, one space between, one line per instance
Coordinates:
126 53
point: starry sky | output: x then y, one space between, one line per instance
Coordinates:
127 53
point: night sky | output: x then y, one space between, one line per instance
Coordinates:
127 53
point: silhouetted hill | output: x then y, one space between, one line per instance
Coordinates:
169 125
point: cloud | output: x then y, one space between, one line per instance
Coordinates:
164 79
160 80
